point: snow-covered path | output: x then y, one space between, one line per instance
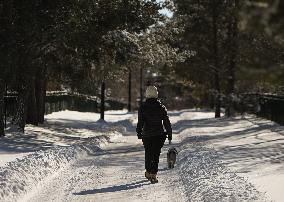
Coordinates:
76 157
113 174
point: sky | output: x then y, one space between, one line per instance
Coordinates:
165 11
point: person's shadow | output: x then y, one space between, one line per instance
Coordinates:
115 188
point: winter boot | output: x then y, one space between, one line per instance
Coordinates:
153 178
147 175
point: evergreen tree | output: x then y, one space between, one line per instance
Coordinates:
205 34
43 39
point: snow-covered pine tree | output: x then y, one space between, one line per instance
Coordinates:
205 34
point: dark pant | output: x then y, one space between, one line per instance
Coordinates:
153 147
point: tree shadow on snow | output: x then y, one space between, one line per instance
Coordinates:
127 124
123 150
115 188
56 132
182 125
35 139
23 143
252 147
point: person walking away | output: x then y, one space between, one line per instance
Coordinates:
152 119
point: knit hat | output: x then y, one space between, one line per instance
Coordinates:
151 92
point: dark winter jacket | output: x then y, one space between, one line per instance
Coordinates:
152 116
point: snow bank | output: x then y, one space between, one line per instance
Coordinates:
22 175
251 147
5 158
48 149
206 179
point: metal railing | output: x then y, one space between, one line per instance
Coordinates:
59 101
269 106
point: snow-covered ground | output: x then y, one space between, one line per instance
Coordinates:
77 157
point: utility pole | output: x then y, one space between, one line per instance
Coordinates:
103 100
129 89
216 60
5 106
2 97
141 86
233 55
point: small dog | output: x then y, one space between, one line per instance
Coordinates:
171 157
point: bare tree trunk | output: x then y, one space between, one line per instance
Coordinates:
21 111
41 93
37 90
216 63
233 47
141 86
211 100
2 89
103 101
218 95
129 89
32 110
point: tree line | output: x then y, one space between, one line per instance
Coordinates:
207 53
44 39
78 44
237 48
